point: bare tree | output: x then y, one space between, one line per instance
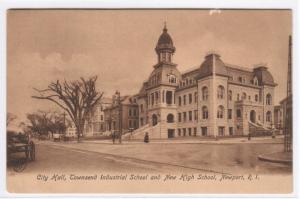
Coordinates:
9 118
77 98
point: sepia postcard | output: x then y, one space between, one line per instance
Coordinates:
149 101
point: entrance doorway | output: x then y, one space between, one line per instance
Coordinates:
171 133
253 116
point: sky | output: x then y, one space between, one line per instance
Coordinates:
118 46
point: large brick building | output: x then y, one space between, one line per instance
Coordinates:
214 99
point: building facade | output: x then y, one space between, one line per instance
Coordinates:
213 99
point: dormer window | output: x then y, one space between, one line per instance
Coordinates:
172 78
255 81
240 79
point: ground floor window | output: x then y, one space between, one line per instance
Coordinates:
221 130
204 131
195 131
184 131
179 132
230 130
190 131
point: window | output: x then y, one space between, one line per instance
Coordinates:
154 120
129 112
269 116
184 116
152 99
238 97
255 81
190 98
195 131
101 117
221 130
220 92
249 97
179 100
230 130
240 79
204 131
169 97
184 100
229 113
191 81
256 98
130 125
196 115
269 99
142 121
204 112
156 97
190 116
220 112
170 118
142 108
230 95
204 93
238 113
244 96
196 97
179 117
190 131
179 132
184 131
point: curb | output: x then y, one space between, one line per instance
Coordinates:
263 157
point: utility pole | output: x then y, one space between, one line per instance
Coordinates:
120 115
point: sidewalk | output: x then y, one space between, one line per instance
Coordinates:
193 140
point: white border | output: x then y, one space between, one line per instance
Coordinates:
242 4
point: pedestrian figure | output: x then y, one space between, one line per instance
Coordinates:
146 138
249 136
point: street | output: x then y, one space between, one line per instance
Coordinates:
155 157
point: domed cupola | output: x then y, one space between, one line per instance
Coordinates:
165 47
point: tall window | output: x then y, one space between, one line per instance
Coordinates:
204 93
229 113
169 97
142 108
179 100
204 112
190 115
269 116
269 99
195 115
220 93
238 113
230 95
220 112
196 97
184 100
256 98
190 98
184 116
179 117
238 97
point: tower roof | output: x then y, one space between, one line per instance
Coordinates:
165 41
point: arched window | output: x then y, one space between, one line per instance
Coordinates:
204 112
244 96
230 95
256 98
269 99
154 120
170 118
269 116
220 93
220 112
204 93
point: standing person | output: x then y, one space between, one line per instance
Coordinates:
113 136
146 138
